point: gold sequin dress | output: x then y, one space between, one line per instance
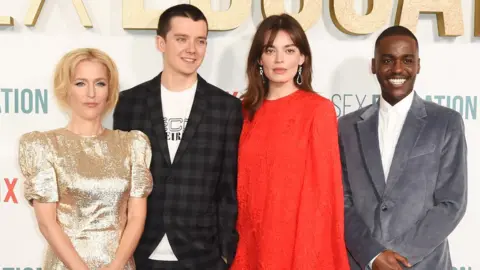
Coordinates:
91 180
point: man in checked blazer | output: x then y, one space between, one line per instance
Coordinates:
194 129
404 168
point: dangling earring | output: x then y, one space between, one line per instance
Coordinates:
261 74
299 76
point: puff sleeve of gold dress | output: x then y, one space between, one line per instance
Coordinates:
91 179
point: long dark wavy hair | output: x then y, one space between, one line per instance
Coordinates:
257 90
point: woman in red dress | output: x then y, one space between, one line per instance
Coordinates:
289 185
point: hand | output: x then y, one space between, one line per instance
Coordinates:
389 260
111 267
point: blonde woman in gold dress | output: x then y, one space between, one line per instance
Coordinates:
87 184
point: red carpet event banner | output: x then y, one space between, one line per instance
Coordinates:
34 34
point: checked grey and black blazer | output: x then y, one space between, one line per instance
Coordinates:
194 197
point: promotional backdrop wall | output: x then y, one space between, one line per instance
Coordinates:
28 54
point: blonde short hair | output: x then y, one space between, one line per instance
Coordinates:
65 71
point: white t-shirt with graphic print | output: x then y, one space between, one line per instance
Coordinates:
176 107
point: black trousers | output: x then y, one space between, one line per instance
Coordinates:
175 265
165 265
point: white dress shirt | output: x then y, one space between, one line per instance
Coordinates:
390 124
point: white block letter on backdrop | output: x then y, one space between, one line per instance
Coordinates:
33 12
6 21
82 13
35 8
136 17
449 15
225 20
310 11
348 21
477 19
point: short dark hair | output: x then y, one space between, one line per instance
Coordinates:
182 10
396 30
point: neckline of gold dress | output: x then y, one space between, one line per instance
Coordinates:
70 133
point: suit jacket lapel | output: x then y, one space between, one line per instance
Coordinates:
196 113
409 135
368 134
154 104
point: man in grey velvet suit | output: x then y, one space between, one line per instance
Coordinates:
405 168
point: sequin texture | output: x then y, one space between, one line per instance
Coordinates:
91 179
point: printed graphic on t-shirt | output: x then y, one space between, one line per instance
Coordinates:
174 128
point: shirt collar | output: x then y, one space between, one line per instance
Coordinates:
401 108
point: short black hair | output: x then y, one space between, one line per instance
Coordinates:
396 30
182 10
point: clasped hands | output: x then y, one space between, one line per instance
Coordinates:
390 260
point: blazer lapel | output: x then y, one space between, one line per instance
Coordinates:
154 104
409 135
196 113
368 133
